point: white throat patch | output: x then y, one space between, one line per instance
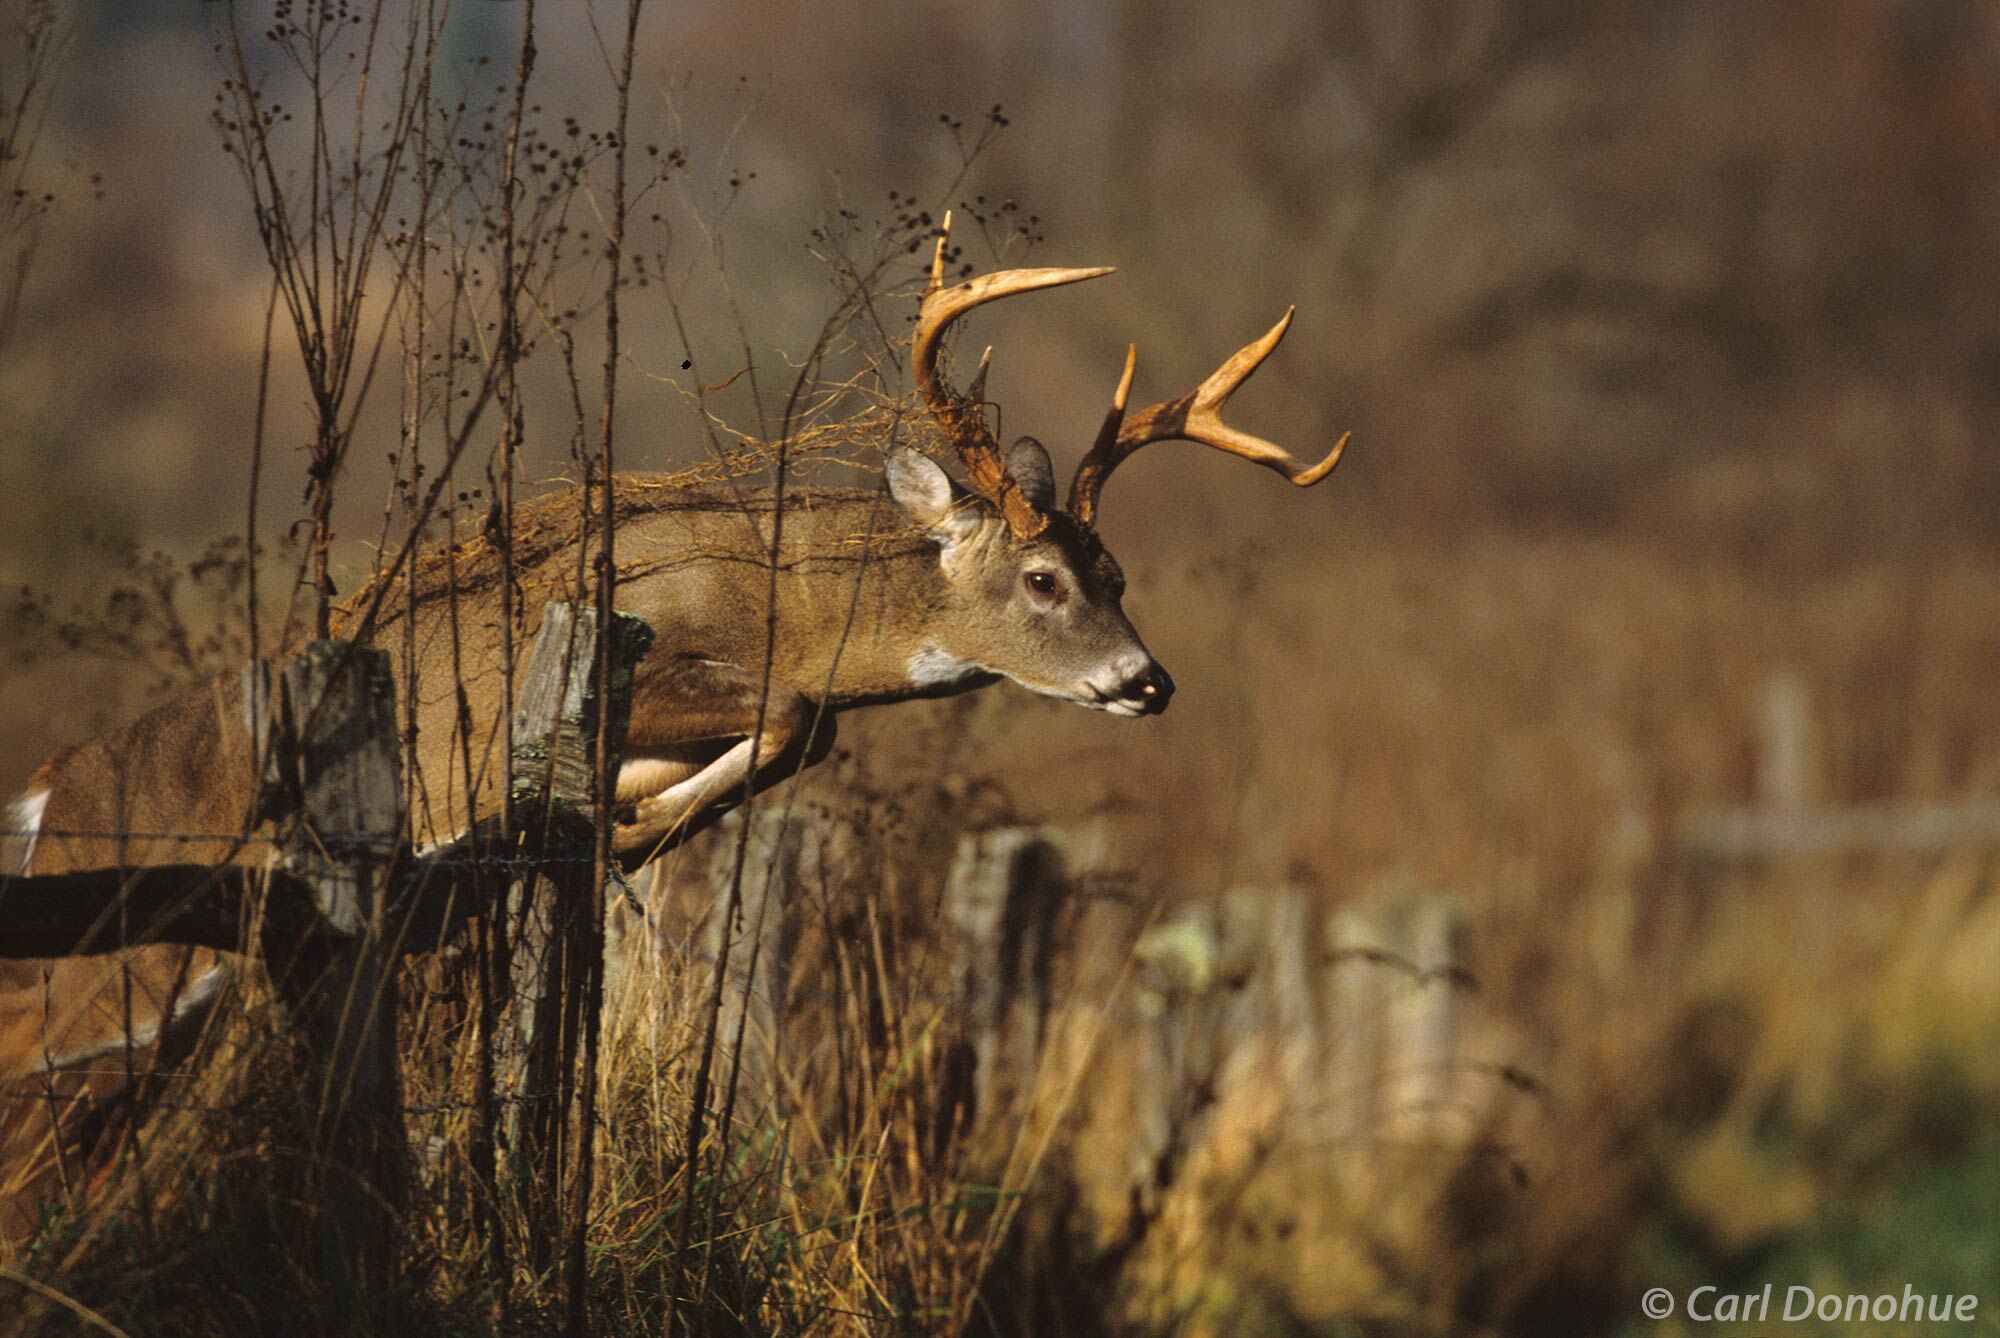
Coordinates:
23 823
932 667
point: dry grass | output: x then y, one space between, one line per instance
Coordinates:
1727 1062
1640 439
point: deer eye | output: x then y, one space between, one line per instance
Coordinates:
1043 583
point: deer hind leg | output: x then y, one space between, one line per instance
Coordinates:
688 750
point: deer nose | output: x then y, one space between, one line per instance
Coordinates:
1151 689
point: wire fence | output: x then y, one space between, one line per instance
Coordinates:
337 843
1033 977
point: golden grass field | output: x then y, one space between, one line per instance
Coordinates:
1666 337
1736 1070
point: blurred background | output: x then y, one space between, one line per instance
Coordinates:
1669 336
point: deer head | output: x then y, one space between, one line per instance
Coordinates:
1037 596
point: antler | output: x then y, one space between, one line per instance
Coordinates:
1193 417
960 417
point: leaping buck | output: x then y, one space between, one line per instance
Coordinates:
956 587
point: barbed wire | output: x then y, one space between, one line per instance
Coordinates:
88 834
364 843
271 1111
1511 1077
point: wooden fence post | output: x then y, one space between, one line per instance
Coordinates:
1358 955
1000 900
553 773
329 732
1394 979
1785 744
1271 1029
1179 973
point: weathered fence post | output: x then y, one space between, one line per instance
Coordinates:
553 772
1785 745
1395 978
1227 1019
329 734
1271 1031
1357 957
1000 899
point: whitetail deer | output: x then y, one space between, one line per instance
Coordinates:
957 587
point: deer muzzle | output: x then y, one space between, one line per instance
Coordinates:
1152 689
1145 691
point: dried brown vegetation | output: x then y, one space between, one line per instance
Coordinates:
1664 333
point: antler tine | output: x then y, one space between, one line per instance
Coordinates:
936 280
942 306
960 418
1104 455
1193 417
975 390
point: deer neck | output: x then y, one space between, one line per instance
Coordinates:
865 610
906 631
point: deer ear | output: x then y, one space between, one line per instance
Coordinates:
922 488
1032 472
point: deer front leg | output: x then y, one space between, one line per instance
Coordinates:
688 749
